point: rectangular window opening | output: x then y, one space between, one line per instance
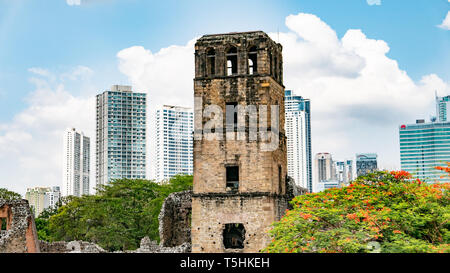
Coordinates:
234 236
232 178
231 121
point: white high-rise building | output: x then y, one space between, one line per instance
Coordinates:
173 142
52 197
344 171
298 132
36 199
76 163
324 170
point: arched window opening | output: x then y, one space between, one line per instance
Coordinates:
211 62
234 236
232 61
252 61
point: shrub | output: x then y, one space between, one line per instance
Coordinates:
380 212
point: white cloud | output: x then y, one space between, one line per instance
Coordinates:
356 111
31 144
166 76
73 2
375 2
446 23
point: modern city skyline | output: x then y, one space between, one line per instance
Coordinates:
121 135
298 132
76 163
173 143
348 58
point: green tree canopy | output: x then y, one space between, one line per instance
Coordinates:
9 195
380 212
118 217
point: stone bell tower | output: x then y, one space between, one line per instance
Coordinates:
239 186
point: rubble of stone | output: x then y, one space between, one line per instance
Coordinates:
70 247
174 219
20 235
149 246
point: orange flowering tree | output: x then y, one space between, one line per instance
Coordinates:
379 212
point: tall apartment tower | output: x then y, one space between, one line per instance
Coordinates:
348 167
121 135
298 132
76 163
239 185
174 128
324 167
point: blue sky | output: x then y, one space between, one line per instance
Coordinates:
54 35
366 68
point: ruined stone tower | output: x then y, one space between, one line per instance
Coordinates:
239 186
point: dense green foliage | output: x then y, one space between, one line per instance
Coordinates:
380 212
117 218
9 195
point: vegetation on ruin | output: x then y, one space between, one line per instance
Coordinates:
381 212
116 218
9 195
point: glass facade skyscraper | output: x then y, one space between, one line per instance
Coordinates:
423 146
121 135
366 163
298 132
173 153
442 108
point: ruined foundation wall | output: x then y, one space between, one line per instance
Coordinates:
175 219
20 235
70 247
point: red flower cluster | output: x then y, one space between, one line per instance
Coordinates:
401 175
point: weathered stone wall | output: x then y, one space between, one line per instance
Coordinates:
20 235
175 219
255 211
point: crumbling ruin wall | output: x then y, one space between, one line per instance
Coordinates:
292 190
175 219
149 246
70 247
20 235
